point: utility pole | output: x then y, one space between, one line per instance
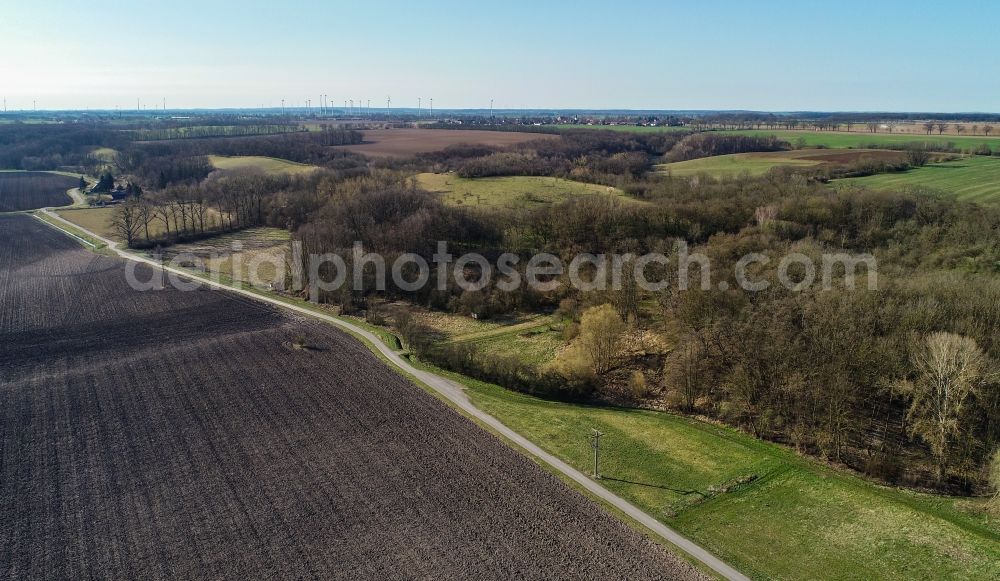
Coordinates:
595 443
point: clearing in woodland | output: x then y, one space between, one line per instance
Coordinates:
267 165
510 191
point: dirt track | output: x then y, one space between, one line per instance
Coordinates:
169 434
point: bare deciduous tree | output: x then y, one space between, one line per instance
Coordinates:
950 368
994 475
127 222
684 373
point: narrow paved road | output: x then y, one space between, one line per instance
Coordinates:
454 393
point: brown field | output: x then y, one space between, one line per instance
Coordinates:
29 190
179 435
407 142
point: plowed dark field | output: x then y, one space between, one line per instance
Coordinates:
30 190
179 435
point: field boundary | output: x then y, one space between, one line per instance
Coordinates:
46 218
454 394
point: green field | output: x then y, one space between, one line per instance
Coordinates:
842 139
761 507
532 338
972 178
756 164
269 165
509 192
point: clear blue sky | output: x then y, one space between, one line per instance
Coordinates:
901 55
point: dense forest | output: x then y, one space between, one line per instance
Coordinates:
853 376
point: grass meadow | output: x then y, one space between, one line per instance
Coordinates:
531 337
260 249
761 507
756 164
268 165
975 179
509 191
97 220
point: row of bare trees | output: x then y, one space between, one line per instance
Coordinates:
178 213
930 126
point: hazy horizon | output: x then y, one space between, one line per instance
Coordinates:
792 56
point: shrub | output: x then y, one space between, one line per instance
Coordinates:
637 385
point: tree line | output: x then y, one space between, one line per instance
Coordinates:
205 131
